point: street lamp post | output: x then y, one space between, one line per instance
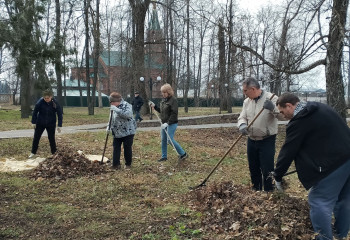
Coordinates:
228 98
213 95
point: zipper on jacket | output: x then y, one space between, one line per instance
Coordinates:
320 169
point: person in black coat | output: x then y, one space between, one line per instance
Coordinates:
136 105
318 140
44 117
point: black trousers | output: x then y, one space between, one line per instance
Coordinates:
261 155
50 133
127 142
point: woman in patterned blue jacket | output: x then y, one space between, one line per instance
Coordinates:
123 128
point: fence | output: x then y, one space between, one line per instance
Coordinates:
202 102
5 98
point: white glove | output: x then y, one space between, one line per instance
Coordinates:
151 104
115 109
164 125
34 126
243 129
279 186
59 130
108 130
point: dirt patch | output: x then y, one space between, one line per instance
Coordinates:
240 213
67 163
213 138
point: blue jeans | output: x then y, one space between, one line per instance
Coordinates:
261 155
331 195
137 115
171 131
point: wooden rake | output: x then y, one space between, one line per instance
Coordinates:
109 128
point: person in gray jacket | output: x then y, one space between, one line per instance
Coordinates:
262 133
123 128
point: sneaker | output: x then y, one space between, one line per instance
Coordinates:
183 157
127 167
140 119
31 155
162 159
116 167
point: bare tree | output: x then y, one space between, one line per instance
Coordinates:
58 51
188 78
334 83
139 9
222 65
334 79
96 56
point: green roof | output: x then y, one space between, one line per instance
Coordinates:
117 58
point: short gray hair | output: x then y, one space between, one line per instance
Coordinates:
251 82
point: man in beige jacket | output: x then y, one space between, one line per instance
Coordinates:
261 134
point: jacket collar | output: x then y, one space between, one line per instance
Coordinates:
257 98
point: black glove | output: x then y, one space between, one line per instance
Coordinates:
268 104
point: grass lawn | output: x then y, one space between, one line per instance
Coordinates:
10 116
151 201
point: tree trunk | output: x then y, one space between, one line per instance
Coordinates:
334 79
230 57
25 91
87 56
58 53
187 59
222 66
96 56
139 10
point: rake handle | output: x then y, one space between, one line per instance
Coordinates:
166 131
109 127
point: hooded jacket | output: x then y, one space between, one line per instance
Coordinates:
45 113
318 140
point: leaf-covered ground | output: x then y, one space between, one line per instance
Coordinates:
237 212
69 197
67 163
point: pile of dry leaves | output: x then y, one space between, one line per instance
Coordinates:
67 163
240 213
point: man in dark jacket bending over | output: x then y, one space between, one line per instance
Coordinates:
318 140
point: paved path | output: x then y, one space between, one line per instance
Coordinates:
102 126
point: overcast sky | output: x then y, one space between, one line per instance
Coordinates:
253 5
314 79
